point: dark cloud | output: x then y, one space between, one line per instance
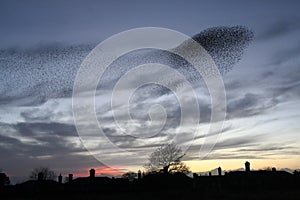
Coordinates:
35 139
238 142
251 105
279 28
278 147
53 145
225 145
230 156
225 130
266 151
248 105
52 128
282 56
225 156
289 92
276 83
239 148
246 147
31 115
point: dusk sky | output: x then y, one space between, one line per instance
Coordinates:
42 44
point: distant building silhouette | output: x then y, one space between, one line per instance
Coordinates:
232 182
247 166
92 173
60 178
139 174
70 177
219 171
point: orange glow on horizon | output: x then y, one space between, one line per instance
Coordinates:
232 164
201 166
115 170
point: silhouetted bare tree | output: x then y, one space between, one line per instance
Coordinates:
130 175
268 168
4 179
167 158
47 174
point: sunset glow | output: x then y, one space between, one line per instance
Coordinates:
103 84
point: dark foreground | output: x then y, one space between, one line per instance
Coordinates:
257 185
284 195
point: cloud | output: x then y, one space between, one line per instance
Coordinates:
244 148
271 149
52 138
279 28
276 83
284 56
230 156
223 146
267 148
40 144
248 105
53 129
40 138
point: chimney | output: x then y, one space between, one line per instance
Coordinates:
60 178
273 169
220 171
247 166
139 174
92 173
209 173
70 177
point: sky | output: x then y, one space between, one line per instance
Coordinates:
43 43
